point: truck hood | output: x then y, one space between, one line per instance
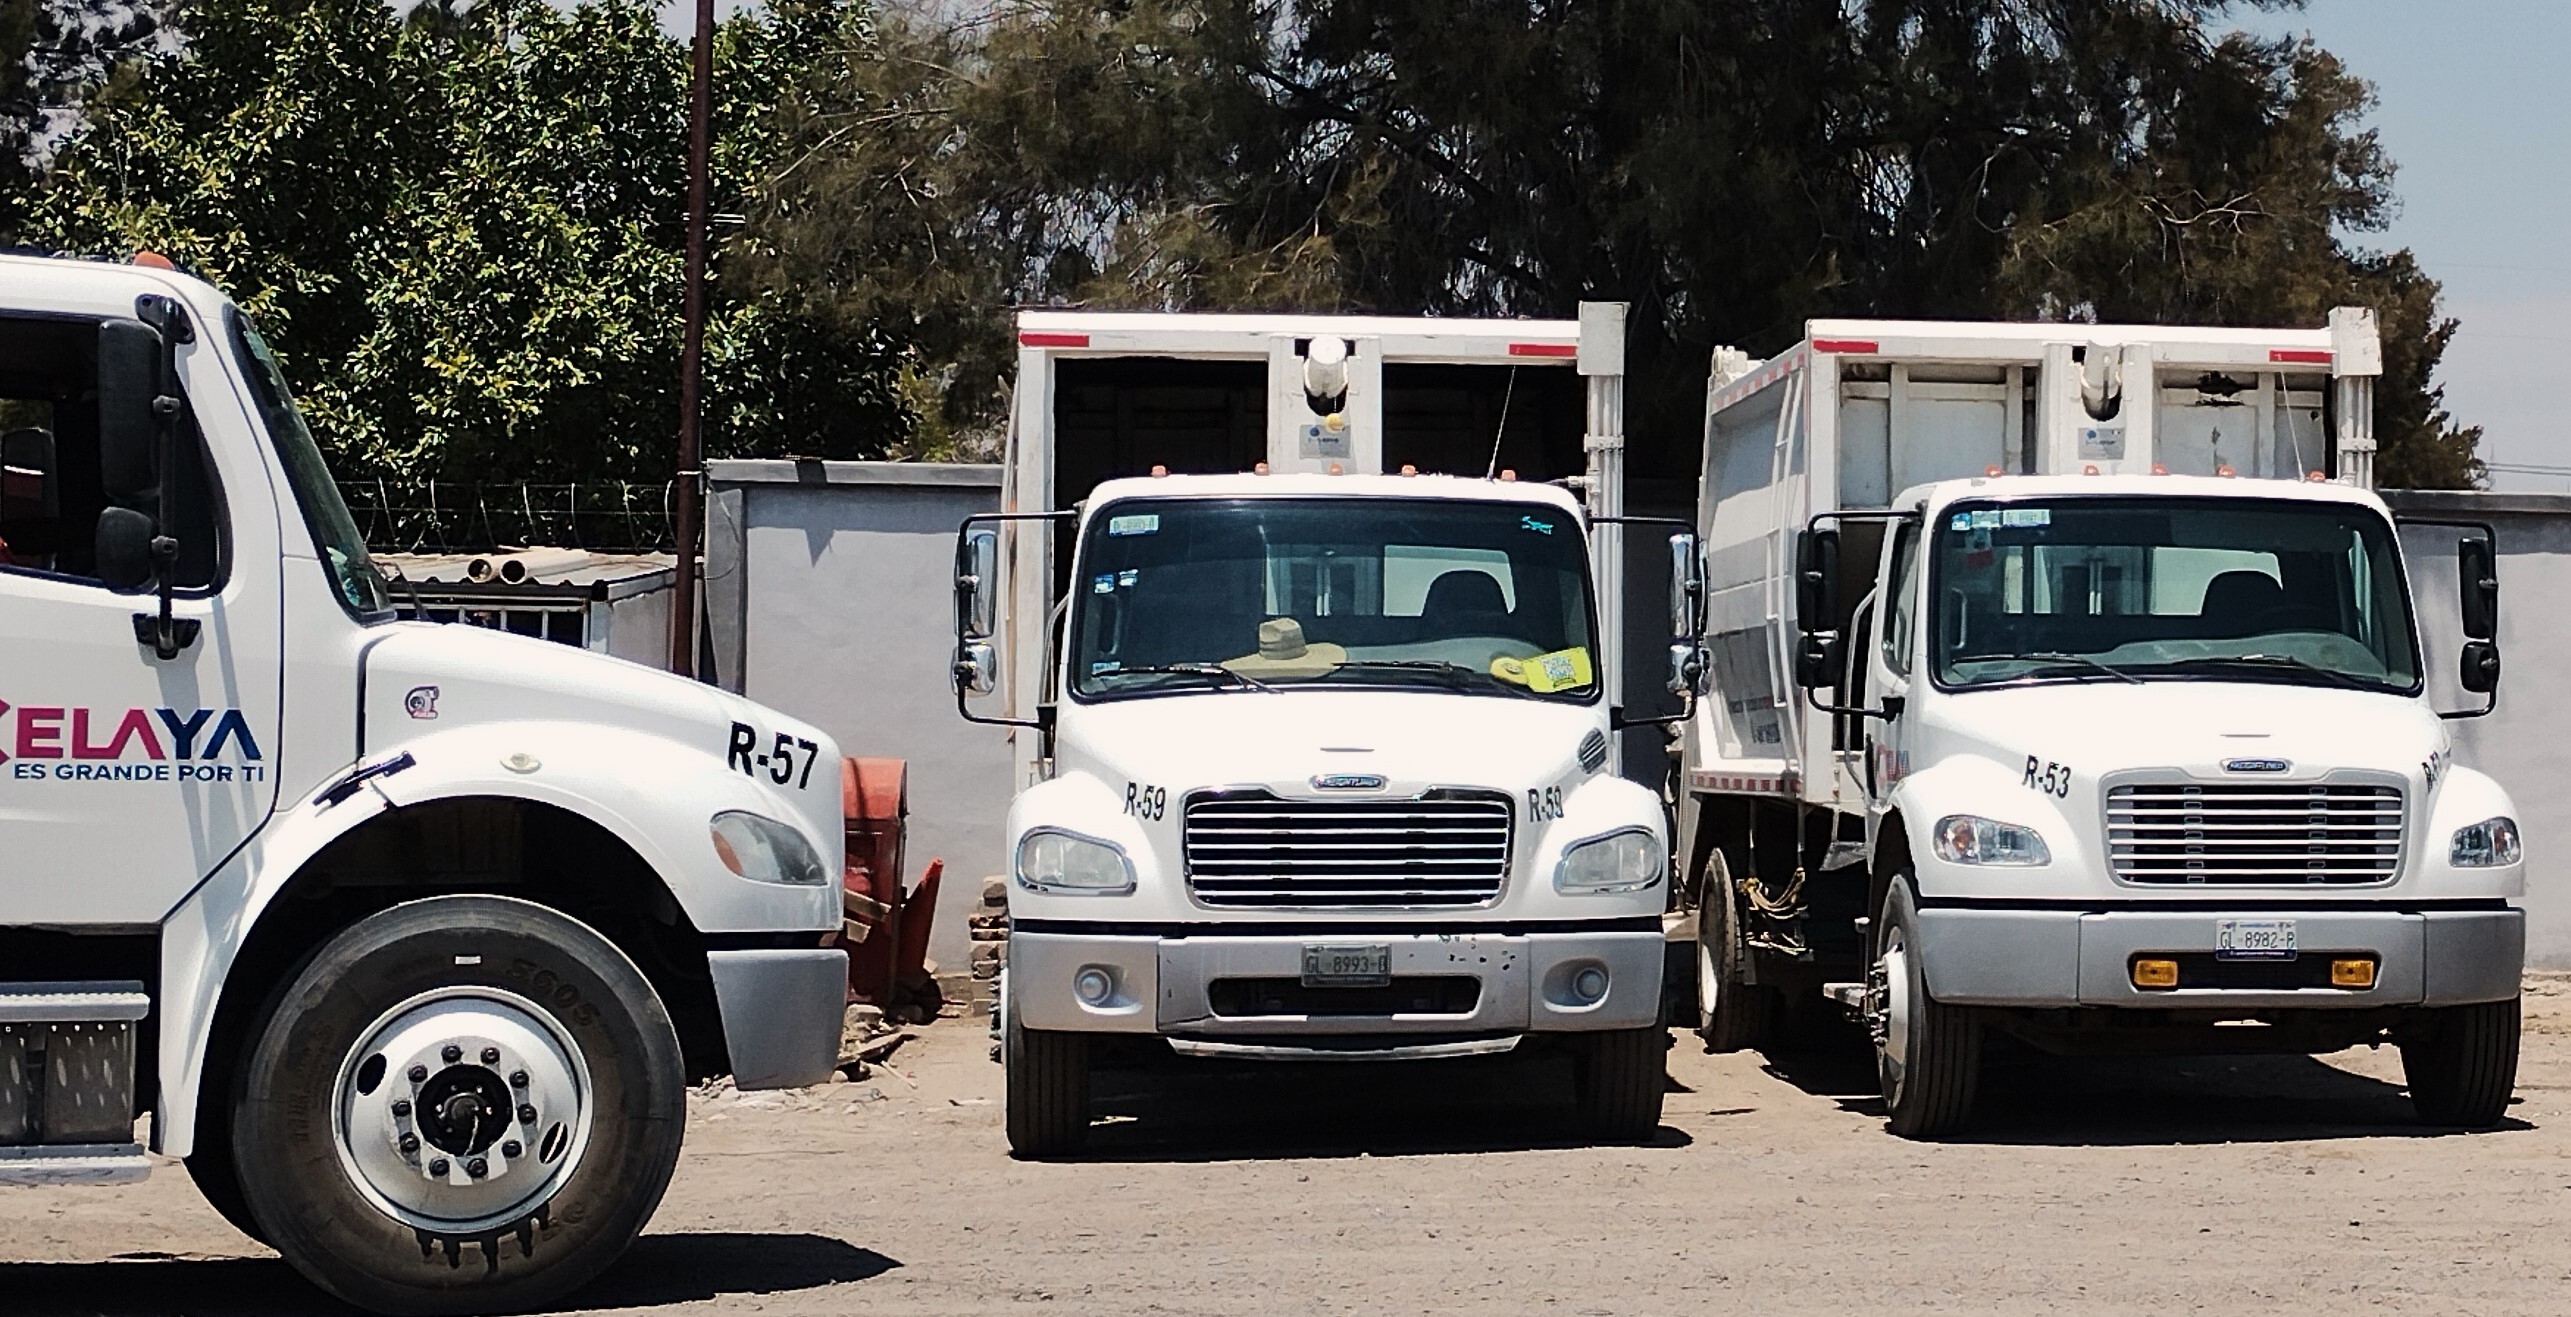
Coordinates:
2104 726
1283 740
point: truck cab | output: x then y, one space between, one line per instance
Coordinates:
1321 756
488 902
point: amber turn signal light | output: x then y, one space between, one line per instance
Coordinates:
2355 973
2151 972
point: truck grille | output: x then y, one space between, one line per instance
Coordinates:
2243 833
1253 849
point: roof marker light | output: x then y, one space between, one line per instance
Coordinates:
1260 469
1859 345
2089 470
1992 470
2225 471
1159 470
2158 469
1508 473
1544 349
154 260
1337 470
2305 356
2316 477
1409 470
1037 338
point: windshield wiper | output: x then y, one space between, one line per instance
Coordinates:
2052 656
1458 675
1246 681
2333 675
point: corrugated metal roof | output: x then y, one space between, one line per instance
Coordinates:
548 570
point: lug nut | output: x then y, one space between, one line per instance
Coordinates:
511 1148
410 1143
517 1079
490 1056
451 1054
419 1074
401 1106
477 1168
438 1167
527 1114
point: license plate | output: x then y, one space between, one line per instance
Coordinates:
2254 939
1360 965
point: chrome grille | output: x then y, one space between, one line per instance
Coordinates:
2254 833
1253 849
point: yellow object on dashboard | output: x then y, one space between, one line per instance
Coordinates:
1561 670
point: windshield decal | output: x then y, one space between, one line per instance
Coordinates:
1561 670
1540 527
1137 523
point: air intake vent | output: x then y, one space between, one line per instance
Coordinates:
1249 848
2268 833
1593 751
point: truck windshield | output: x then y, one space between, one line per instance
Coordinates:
354 578
1255 595
2097 589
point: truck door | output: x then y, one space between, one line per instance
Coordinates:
1888 662
126 778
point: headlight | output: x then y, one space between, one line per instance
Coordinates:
1966 839
1626 861
2484 844
1050 860
764 850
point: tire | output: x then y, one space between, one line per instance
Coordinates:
1731 1016
1045 1090
1928 1055
220 1182
336 1153
1620 1078
2462 1067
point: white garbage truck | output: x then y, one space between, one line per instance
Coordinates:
1306 630
406 938
2066 686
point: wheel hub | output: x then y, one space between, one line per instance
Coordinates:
462 1110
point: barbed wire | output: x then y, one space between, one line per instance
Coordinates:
434 516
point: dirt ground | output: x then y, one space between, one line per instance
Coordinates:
2110 1186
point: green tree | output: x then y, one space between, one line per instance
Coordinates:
463 227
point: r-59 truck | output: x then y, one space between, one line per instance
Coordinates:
407 939
1314 684
2066 686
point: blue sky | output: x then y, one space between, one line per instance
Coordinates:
2475 108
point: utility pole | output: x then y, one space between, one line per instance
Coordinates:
684 505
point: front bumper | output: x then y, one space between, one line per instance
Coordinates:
1167 985
782 1013
2045 957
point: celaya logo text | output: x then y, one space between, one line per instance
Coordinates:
42 742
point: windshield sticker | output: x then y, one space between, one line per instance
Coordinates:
1135 523
1127 577
1985 518
1105 665
1561 670
1961 521
1539 527
1103 583
2026 517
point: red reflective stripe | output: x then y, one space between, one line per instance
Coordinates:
1038 339
1544 349
1843 345
2315 356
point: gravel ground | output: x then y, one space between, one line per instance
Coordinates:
2265 1184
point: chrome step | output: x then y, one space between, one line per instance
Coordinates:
74 1163
73 1003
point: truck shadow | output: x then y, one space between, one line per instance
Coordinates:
2029 1098
660 1270
1232 1111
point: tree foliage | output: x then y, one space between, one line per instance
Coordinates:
1731 167
464 228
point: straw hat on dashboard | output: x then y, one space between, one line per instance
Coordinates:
1283 652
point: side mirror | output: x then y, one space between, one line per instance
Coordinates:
124 549
977 668
2480 670
1816 661
1688 672
2478 588
130 410
1686 588
1816 582
977 573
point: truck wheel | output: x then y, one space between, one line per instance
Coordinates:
1927 1054
2462 1068
219 1182
1620 1077
461 1104
1045 1089
1731 1016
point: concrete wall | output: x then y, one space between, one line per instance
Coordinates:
829 596
2523 744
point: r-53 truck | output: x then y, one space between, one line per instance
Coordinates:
407 939
2066 686
1314 685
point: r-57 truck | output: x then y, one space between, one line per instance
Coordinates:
407 939
2067 687
1315 703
